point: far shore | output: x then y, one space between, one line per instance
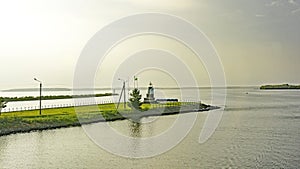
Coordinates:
30 120
279 87
31 98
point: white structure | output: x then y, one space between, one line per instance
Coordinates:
150 94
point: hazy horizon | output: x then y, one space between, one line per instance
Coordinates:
105 88
257 41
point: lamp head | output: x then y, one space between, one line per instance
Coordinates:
37 80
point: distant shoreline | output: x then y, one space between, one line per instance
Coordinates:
110 89
280 86
32 98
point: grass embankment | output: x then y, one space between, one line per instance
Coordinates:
25 121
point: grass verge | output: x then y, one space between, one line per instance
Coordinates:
30 120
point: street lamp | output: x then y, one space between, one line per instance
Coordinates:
40 94
123 90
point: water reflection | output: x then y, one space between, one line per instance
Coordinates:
135 128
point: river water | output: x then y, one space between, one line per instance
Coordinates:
259 129
186 95
31 105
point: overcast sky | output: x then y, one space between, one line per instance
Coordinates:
258 41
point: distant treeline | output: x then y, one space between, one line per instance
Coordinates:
53 89
281 86
30 98
36 89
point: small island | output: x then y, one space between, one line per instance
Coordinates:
280 86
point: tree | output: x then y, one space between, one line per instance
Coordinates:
2 105
135 99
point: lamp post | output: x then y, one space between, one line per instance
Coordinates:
40 94
123 90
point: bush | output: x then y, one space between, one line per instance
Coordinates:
135 102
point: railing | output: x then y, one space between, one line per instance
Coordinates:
24 108
155 105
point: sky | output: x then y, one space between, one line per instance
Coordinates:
257 41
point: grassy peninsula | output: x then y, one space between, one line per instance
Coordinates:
280 86
30 120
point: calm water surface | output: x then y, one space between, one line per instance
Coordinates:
258 130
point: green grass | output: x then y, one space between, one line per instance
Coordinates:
22 121
25 121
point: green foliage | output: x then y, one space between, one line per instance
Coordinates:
281 86
2 104
135 99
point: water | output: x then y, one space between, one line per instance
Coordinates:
258 130
49 92
32 105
